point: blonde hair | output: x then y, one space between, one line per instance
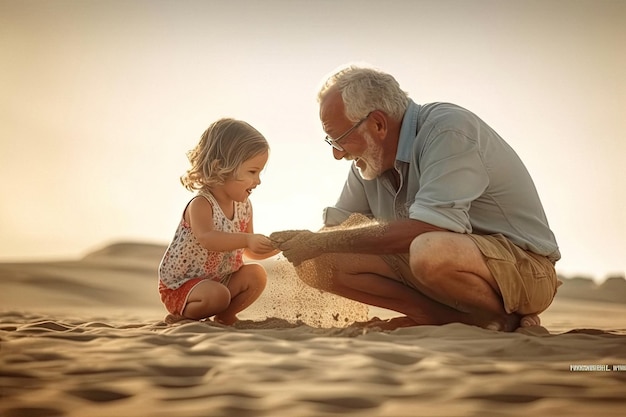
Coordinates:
366 89
223 147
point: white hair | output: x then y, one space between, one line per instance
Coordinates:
364 90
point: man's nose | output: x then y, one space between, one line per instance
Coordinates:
337 154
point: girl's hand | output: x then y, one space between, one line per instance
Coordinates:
299 245
260 244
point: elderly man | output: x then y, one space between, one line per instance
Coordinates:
460 234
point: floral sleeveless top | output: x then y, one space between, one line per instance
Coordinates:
186 259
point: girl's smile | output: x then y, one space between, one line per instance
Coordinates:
247 178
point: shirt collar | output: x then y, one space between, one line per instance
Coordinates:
408 132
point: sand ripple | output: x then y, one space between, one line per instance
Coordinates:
86 339
69 367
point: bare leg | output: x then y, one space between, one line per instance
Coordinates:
369 280
206 299
450 269
245 286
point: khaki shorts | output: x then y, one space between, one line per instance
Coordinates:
527 281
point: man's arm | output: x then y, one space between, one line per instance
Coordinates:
384 238
380 239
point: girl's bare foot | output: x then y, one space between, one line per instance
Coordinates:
225 320
173 318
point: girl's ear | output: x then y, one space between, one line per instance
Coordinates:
217 173
214 167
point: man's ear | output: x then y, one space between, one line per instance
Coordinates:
381 124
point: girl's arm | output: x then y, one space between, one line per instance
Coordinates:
199 215
265 248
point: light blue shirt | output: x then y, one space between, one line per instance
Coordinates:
456 173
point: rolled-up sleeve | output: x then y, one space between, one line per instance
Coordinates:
451 176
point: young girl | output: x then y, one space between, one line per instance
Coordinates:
202 273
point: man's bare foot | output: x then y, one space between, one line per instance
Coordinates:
512 322
506 323
530 320
389 324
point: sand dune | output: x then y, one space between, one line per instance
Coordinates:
613 289
86 338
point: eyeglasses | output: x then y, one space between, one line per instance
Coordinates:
335 142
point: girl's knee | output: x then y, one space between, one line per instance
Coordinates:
217 300
222 296
250 278
255 274
207 300
260 279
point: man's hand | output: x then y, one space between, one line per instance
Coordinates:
278 238
298 245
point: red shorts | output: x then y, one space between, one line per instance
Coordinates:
175 301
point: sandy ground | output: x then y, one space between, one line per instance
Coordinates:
86 338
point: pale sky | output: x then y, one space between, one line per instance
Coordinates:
100 101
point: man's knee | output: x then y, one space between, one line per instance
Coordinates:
425 257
